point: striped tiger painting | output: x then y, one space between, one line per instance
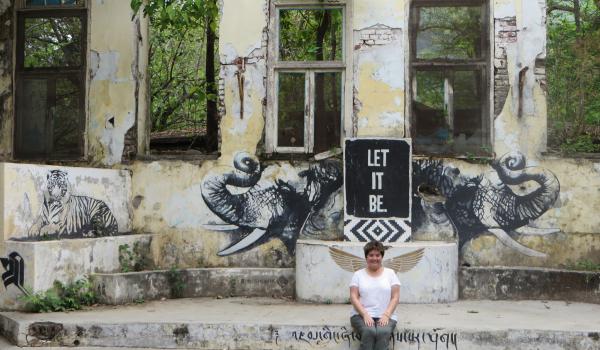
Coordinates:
66 215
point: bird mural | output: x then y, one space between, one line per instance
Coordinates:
266 206
400 264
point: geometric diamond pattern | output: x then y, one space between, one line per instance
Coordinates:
366 230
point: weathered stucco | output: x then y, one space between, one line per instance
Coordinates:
522 123
243 59
379 69
117 83
6 95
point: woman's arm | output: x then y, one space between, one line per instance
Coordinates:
385 318
355 300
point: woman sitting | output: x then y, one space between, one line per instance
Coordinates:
374 294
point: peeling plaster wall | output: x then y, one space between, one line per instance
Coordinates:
6 94
379 54
117 87
242 52
519 55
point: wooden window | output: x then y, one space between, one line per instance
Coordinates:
308 78
50 80
449 77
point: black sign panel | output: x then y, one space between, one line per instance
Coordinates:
377 178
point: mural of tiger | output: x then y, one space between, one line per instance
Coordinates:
66 215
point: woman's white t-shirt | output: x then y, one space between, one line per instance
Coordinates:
375 292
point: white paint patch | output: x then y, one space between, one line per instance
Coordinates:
504 8
363 122
368 13
389 60
391 119
104 66
398 101
113 139
597 167
186 210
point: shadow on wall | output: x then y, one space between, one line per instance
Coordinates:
66 215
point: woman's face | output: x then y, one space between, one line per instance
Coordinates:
374 259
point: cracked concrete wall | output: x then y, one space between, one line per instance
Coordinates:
6 67
117 88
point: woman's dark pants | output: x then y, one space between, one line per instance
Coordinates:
373 338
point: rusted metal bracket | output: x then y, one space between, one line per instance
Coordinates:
240 62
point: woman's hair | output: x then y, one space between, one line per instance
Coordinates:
374 245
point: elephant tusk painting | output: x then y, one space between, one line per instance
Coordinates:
265 206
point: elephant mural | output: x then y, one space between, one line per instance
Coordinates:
267 205
484 203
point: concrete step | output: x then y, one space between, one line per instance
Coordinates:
529 283
123 288
261 323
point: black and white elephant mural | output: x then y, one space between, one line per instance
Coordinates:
264 205
476 205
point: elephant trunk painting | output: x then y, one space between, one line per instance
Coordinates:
270 206
486 203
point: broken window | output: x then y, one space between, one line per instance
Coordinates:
449 76
309 75
183 66
50 79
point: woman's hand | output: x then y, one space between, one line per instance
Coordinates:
369 321
383 321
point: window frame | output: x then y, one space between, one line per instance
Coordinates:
309 68
21 73
447 67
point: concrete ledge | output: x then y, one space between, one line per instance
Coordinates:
525 283
433 280
65 261
122 288
262 323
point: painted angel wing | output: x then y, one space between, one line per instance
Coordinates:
404 262
346 261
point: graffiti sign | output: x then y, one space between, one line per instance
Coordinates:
377 189
14 266
65 215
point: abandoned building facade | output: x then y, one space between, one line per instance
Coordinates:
469 93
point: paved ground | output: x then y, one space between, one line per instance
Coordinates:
480 316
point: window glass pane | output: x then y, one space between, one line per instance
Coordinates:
66 117
430 114
290 116
33 105
50 117
328 110
449 32
52 42
310 34
470 133
53 2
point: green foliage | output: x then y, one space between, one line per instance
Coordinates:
178 30
131 259
176 283
573 73
62 297
584 265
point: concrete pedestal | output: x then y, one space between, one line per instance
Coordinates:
434 279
